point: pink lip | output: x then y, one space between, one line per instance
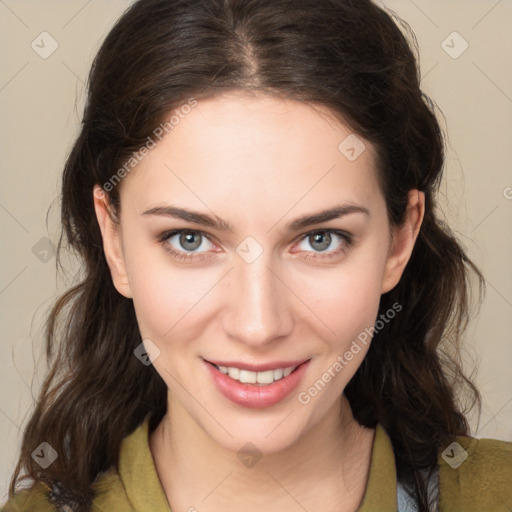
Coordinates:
253 395
258 367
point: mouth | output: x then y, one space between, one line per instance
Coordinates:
256 389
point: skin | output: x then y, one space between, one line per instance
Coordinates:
258 163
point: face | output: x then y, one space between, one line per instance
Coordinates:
262 282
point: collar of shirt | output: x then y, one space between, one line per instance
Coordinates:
140 480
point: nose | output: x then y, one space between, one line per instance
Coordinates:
260 303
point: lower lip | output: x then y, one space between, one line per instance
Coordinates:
255 396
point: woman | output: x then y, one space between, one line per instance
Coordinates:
267 288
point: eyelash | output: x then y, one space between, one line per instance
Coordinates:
347 243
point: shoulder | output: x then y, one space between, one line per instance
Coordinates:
476 474
109 489
111 493
34 499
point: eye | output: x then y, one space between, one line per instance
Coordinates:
323 241
185 241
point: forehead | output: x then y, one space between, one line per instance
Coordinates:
255 150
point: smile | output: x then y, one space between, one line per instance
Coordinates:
256 389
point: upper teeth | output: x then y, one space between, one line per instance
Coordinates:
247 377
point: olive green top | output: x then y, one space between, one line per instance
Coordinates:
481 483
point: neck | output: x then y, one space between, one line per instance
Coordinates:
331 460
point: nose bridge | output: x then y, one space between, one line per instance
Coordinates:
259 311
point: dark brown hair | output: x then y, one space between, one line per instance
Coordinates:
348 55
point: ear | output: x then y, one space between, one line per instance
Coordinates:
112 244
403 240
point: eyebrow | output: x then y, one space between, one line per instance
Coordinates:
221 225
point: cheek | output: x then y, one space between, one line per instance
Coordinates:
166 297
347 304
346 297
166 303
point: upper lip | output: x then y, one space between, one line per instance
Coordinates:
258 367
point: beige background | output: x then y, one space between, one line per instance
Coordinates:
41 101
